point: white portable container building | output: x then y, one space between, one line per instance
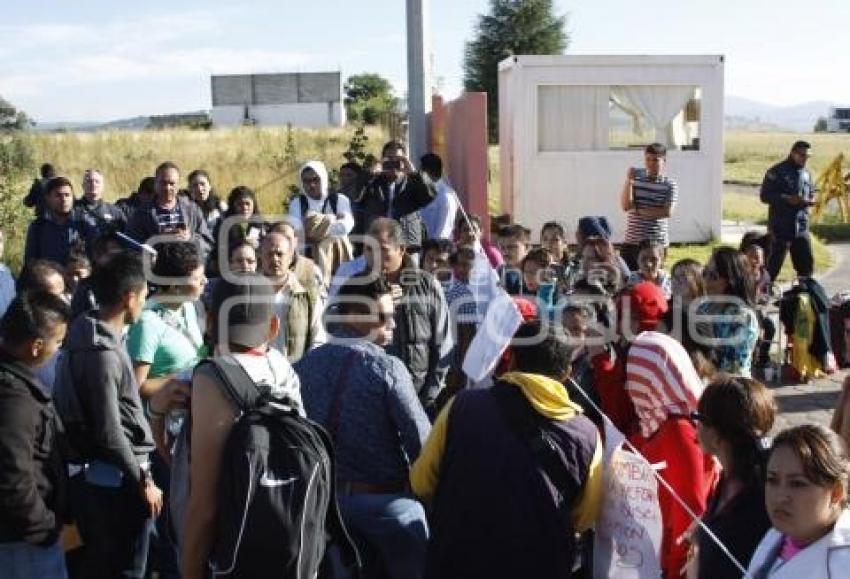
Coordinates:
571 126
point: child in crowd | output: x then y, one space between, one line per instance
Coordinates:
651 267
436 254
514 241
77 269
463 308
468 232
752 245
553 236
538 277
577 319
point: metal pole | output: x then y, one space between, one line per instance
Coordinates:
418 77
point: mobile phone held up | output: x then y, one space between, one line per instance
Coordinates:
391 165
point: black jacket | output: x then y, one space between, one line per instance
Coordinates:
740 526
98 398
35 197
781 181
32 476
101 215
821 345
130 205
422 339
411 194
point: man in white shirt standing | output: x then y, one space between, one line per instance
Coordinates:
323 218
439 215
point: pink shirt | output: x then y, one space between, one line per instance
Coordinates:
790 549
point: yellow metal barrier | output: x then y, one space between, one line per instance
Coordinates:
832 185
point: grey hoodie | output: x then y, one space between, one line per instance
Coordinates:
97 397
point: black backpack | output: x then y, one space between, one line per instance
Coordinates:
277 509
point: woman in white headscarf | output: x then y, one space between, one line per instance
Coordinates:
323 217
665 388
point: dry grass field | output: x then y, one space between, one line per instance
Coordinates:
747 155
264 159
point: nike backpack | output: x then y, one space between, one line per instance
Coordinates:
277 508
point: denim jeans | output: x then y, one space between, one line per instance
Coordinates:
26 561
163 553
391 533
115 529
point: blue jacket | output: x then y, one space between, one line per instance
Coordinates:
781 181
48 239
367 397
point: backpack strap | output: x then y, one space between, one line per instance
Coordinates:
302 200
333 201
239 386
527 425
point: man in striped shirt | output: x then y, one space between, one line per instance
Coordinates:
648 199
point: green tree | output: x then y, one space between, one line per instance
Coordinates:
11 119
357 148
511 27
17 165
820 125
368 96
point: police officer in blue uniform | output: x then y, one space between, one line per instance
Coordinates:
789 191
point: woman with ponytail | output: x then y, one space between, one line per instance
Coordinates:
734 414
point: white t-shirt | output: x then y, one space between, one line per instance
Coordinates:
275 370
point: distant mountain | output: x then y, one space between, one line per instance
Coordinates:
131 124
127 124
741 112
72 126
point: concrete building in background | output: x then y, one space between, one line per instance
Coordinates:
839 120
304 99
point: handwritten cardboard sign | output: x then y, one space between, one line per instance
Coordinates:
628 532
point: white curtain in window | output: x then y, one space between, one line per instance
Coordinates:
572 118
659 105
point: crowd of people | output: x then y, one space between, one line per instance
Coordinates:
144 340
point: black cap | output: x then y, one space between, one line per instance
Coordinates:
594 226
243 310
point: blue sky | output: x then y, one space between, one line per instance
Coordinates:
99 60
